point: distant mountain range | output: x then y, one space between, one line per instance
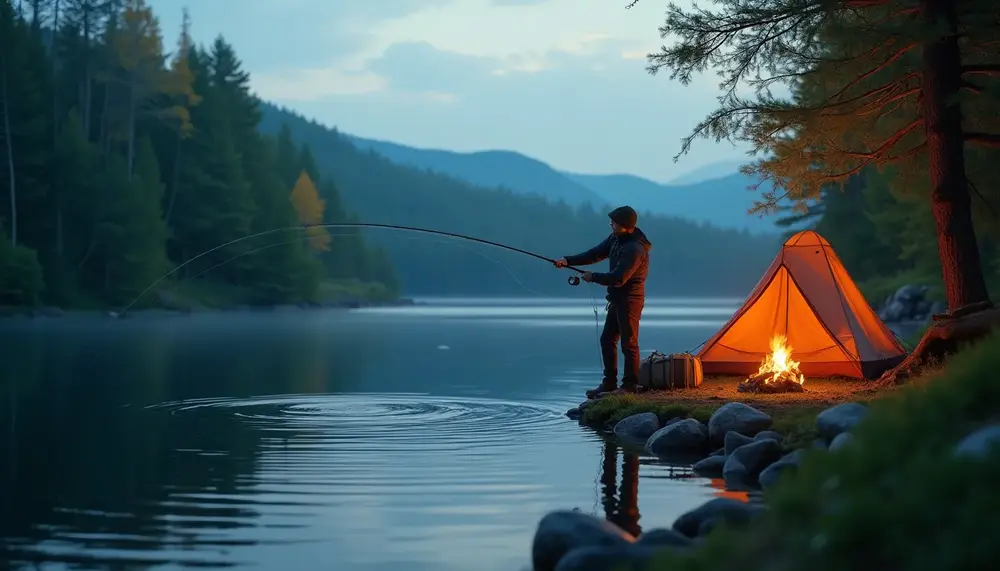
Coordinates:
716 194
691 258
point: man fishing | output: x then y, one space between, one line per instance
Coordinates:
627 251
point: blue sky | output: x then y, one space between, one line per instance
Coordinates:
563 81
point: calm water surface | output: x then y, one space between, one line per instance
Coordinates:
426 437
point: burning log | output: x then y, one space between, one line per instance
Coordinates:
777 374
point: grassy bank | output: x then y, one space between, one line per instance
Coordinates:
794 414
896 498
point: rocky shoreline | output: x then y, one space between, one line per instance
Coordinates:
737 444
56 312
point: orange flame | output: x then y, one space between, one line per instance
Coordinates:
779 363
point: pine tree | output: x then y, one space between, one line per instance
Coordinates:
310 209
874 83
109 156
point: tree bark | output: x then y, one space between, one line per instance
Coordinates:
944 338
130 155
950 200
88 81
174 178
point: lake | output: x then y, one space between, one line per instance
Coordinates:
423 437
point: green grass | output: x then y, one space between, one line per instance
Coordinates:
895 499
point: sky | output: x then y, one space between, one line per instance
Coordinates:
563 81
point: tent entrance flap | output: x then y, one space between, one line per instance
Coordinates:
807 297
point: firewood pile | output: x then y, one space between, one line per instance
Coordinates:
771 383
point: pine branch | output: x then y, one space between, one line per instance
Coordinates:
985 139
892 58
985 69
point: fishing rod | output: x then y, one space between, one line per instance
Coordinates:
573 280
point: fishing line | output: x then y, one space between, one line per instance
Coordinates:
573 280
509 271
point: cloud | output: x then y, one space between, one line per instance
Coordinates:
273 37
585 110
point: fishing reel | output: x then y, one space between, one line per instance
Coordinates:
573 280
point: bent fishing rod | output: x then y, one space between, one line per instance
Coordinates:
573 280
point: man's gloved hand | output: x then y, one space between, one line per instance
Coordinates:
587 277
560 263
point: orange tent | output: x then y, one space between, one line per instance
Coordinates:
807 296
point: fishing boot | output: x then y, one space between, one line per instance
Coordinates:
604 388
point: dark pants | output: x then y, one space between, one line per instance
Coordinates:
622 324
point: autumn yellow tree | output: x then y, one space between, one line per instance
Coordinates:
310 208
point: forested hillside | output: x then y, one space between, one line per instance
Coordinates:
688 258
718 194
884 232
119 163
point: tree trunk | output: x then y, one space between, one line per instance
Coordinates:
9 140
944 338
60 241
55 74
174 178
103 137
950 201
131 129
88 80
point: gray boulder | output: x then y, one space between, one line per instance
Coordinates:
576 412
731 511
744 465
663 538
769 435
737 417
734 440
685 437
638 427
605 558
769 476
736 475
980 443
840 418
710 467
758 455
839 441
560 532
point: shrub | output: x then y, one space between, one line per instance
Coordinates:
895 498
21 279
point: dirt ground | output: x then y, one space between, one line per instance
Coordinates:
818 392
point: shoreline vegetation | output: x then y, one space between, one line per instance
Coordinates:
206 297
854 468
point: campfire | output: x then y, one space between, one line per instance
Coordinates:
777 374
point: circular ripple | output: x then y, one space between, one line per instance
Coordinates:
381 422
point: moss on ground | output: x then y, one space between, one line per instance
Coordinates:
794 414
895 498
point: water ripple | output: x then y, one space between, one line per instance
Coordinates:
386 420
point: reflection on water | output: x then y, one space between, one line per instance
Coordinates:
279 440
621 503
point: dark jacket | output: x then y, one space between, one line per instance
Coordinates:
628 258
